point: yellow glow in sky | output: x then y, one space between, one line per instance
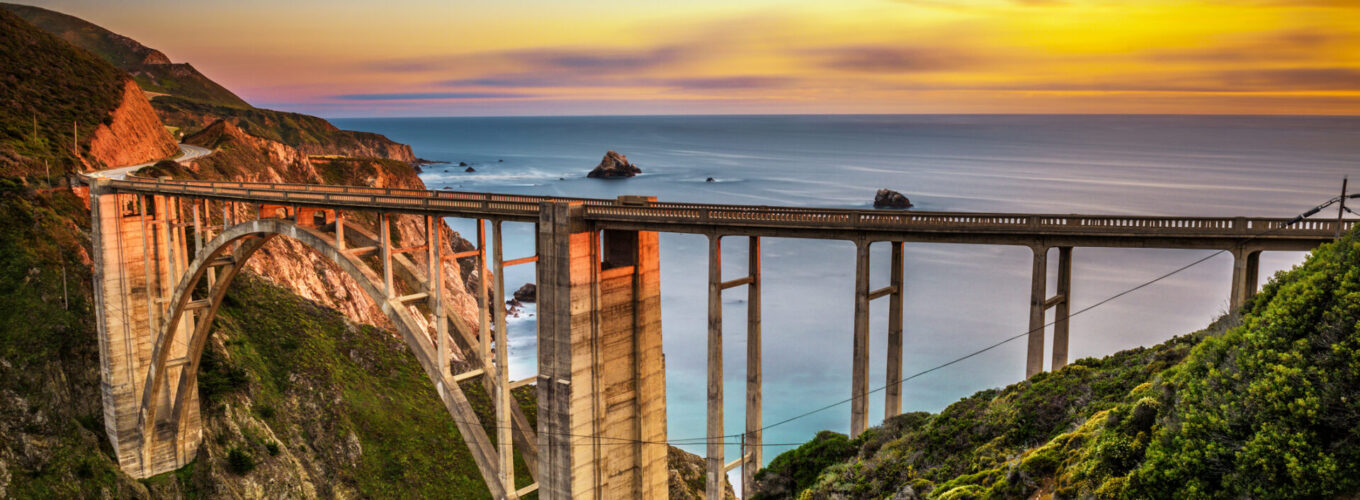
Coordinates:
427 57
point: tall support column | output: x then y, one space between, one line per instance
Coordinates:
434 278
504 441
1253 273
340 230
1034 359
715 474
859 377
892 396
1246 273
1064 308
1237 296
483 292
385 238
751 442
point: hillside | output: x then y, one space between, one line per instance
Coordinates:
53 94
150 67
192 101
1257 407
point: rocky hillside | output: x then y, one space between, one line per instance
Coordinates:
53 94
309 134
1256 406
192 101
151 68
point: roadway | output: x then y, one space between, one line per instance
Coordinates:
187 152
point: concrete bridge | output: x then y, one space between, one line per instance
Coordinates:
166 251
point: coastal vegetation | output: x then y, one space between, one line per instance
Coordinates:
1258 405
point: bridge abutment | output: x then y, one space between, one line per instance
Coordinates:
139 251
601 380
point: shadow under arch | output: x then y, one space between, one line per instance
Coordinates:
229 257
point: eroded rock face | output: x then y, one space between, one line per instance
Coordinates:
133 133
614 166
887 198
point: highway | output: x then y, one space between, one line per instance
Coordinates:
188 152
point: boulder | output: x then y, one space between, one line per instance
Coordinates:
710 179
527 293
469 169
887 198
614 166
462 164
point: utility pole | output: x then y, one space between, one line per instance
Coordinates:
1341 210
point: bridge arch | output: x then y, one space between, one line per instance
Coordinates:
228 252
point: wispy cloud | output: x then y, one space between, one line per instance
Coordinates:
443 96
892 59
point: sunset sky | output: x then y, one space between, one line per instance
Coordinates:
539 57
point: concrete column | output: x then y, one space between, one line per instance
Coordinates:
600 338
1253 273
714 480
483 290
1034 358
339 229
434 278
859 376
1064 307
385 241
892 395
751 449
504 442
1237 296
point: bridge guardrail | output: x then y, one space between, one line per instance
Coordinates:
720 214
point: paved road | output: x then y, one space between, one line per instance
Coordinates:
187 153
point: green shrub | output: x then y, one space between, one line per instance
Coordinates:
239 462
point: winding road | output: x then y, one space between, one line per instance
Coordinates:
188 152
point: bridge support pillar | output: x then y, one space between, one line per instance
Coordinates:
1246 273
1040 303
601 374
135 261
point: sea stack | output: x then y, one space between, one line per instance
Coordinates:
527 293
887 198
614 166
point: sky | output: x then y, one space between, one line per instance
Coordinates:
543 57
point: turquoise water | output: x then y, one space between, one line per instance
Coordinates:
958 298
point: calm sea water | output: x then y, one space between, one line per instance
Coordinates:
958 298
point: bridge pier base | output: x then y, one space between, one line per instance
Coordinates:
601 373
139 250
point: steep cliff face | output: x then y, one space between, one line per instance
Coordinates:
362 145
132 134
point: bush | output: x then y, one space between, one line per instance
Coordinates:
239 462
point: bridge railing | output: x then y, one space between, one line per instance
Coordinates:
736 215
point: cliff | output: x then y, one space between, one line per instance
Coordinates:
1259 405
132 134
309 134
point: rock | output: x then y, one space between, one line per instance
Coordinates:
446 170
470 169
527 293
710 179
500 161
887 198
614 166
513 308
418 169
462 164
685 476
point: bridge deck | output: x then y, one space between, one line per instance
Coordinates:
786 221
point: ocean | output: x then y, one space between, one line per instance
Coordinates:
958 297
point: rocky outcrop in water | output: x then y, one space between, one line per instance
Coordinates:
887 198
527 293
614 166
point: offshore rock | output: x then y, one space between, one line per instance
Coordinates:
527 293
614 166
887 198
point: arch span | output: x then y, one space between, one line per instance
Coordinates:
175 436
